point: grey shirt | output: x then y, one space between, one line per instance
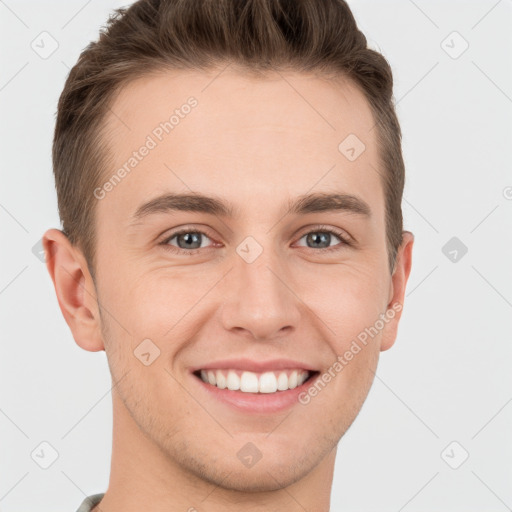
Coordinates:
90 502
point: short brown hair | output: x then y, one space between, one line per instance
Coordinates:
257 35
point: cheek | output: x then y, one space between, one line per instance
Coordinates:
156 303
347 299
150 304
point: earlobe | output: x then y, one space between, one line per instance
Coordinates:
398 284
74 288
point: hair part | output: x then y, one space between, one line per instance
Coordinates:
254 35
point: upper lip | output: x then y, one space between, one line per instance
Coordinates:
251 365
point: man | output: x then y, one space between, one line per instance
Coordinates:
229 177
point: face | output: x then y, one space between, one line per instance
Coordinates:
269 282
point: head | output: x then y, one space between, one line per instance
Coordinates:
229 178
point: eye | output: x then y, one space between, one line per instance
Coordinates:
321 237
188 241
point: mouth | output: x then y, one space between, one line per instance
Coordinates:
268 382
253 386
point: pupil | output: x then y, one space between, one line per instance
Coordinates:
190 238
319 237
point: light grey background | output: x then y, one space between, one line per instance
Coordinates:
448 377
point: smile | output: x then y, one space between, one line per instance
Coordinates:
252 382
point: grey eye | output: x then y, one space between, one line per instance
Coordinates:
187 239
320 239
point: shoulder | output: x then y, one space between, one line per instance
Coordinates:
90 502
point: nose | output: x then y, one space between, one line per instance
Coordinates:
259 299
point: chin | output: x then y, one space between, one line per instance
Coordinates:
264 477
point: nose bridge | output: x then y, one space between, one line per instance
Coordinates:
258 298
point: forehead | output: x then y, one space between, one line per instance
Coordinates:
244 137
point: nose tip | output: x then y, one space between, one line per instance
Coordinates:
260 303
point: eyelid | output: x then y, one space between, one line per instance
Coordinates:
186 229
169 234
341 233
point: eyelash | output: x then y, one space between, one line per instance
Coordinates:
319 229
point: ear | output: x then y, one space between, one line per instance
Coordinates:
75 289
397 289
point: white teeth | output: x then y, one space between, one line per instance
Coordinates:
282 382
268 383
302 378
221 380
292 380
250 382
233 381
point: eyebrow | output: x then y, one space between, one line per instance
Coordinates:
305 204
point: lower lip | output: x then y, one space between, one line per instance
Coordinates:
259 403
